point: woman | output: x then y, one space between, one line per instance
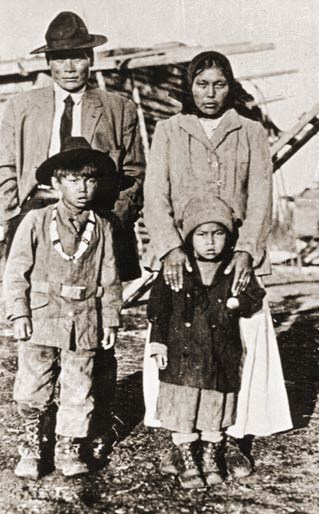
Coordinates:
212 147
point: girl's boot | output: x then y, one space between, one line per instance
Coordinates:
212 455
67 457
239 465
30 450
189 475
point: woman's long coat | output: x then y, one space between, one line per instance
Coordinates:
234 164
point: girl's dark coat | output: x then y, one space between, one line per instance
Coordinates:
201 334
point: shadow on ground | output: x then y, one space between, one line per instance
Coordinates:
299 351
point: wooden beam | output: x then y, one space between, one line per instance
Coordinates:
290 134
186 54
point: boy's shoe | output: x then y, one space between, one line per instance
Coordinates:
189 475
239 465
212 454
67 457
170 462
30 450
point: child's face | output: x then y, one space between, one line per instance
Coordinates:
76 191
209 240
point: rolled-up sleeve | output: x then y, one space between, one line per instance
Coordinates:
158 210
130 200
9 201
16 279
112 297
254 233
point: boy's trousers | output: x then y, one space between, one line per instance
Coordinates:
39 368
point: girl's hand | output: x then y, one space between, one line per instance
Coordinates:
109 339
161 361
242 262
174 263
22 328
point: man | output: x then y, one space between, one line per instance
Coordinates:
34 127
35 124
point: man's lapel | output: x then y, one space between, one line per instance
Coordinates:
43 111
92 109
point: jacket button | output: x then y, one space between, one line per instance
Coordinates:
70 314
219 300
213 326
219 183
215 164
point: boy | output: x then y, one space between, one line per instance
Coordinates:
63 294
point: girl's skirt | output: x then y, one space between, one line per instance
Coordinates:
186 409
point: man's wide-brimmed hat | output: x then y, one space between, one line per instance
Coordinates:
68 32
76 153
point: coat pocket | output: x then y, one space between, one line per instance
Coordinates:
38 300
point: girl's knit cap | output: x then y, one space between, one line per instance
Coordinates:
206 209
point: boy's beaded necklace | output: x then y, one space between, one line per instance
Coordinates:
85 238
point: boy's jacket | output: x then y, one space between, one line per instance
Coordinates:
62 296
200 332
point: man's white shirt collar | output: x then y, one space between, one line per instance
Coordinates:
61 94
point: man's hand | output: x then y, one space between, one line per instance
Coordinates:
22 328
161 361
242 263
109 339
174 263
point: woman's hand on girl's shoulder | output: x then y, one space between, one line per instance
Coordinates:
241 263
174 263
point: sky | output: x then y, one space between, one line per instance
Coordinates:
292 25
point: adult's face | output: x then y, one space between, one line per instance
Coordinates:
210 90
70 69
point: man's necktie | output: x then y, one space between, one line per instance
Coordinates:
66 120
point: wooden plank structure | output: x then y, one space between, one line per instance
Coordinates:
148 75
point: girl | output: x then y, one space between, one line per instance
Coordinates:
196 344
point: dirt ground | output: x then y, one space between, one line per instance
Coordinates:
287 464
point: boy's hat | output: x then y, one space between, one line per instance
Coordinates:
206 209
68 32
77 152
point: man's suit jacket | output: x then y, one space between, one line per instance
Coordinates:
109 123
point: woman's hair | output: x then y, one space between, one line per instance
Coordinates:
237 96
